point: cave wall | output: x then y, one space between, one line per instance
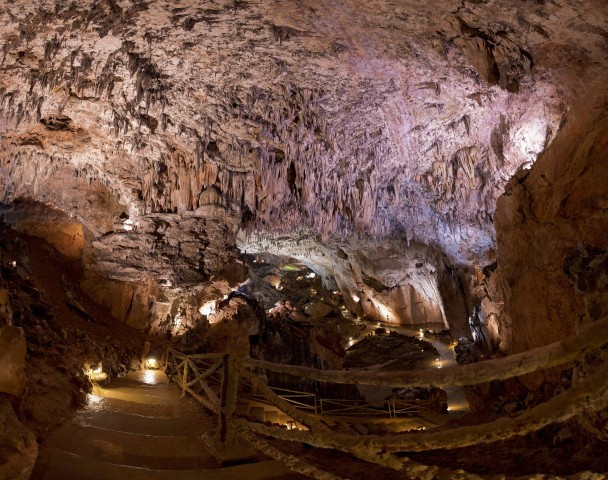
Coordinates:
35 219
385 281
552 225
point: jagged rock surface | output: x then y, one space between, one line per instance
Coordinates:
552 245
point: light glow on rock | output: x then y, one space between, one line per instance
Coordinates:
385 312
128 225
530 140
97 374
152 363
208 308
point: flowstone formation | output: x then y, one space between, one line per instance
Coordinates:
165 128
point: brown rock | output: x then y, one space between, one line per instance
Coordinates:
18 448
12 359
551 226
318 309
6 314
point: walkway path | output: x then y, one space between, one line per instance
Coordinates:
140 429
457 402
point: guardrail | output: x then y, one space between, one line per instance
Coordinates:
214 379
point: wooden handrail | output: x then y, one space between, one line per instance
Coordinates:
590 391
591 337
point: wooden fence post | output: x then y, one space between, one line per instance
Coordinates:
185 377
228 399
166 361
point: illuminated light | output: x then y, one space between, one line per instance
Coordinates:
152 363
128 225
290 268
355 298
93 399
14 264
311 275
208 308
97 374
421 333
385 312
178 319
149 377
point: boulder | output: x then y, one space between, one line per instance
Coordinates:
12 359
6 314
18 448
318 309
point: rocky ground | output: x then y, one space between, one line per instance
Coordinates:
65 335
391 351
556 450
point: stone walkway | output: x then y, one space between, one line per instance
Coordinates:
139 428
457 402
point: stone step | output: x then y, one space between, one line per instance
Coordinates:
140 395
56 464
178 452
144 424
175 410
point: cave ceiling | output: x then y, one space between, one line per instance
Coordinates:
166 127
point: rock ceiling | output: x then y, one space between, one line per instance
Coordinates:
165 127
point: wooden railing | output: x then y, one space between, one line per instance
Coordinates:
215 379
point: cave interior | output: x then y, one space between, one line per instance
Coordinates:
235 234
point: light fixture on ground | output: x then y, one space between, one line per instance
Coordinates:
97 374
152 363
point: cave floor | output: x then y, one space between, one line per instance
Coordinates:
139 427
